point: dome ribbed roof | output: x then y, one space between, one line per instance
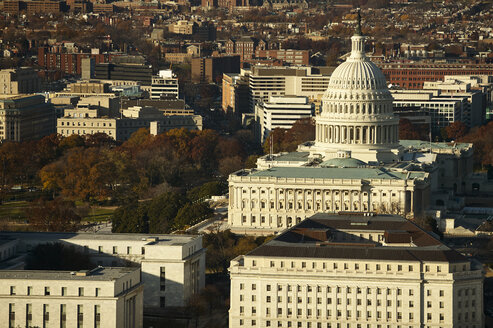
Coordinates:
357 74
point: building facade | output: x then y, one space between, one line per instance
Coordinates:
165 85
102 297
26 117
264 82
173 266
280 112
355 271
20 80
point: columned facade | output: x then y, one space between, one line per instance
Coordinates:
357 112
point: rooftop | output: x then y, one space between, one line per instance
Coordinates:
337 236
421 145
97 274
336 173
147 239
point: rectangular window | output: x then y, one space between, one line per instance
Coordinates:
29 290
100 249
11 315
129 250
81 291
97 292
143 250
97 316
162 279
115 250
12 290
46 315
63 315
80 316
64 291
47 291
29 315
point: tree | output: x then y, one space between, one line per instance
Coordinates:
407 131
55 215
163 210
57 256
456 130
208 189
230 164
191 214
131 218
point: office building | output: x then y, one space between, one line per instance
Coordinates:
126 68
311 82
235 95
26 117
354 270
211 69
165 85
102 297
172 266
19 80
280 112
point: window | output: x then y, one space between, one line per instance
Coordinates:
97 316
162 279
11 315
115 250
97 292
46 314
47 291
254 286
64 291
100 249
81 291
80 316
162 301
29 290
143 250
12 290
129 250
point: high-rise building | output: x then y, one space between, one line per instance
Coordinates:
235 95
351 270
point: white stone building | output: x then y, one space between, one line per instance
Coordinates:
281 112
103 297
173 266
355 271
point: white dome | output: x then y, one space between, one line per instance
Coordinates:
357 110
361 74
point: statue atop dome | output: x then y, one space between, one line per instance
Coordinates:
358 32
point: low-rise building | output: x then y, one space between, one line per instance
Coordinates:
173 266
102 297
355 270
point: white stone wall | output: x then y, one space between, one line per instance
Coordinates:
274 205
328 293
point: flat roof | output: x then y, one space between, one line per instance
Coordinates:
292 157
316 237
97 274
336 173
164 240
419 144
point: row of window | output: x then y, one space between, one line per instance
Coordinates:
47 291
46 316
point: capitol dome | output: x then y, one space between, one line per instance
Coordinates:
356 113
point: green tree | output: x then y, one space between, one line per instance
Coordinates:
163 210
131 218
191 214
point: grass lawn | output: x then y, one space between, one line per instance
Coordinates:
16 211
13 210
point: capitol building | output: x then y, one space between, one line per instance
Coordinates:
356 162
